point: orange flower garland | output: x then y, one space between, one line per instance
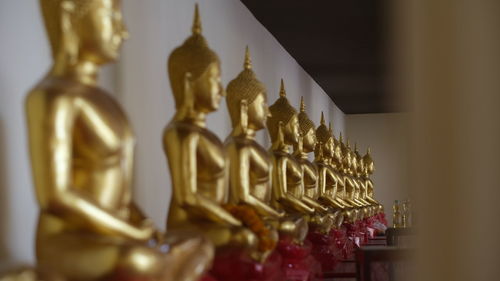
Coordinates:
251 219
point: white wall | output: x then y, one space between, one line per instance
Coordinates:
388 137
141 83
156 28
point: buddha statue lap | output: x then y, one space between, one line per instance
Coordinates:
81 148
196 156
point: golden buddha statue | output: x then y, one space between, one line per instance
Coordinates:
283 127
327 180
305 145
196 156
350 187
368 171
250 164
323 219
81 147
336 165
358 168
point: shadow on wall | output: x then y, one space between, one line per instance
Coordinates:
4 207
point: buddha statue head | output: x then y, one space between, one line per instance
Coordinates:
284 121
90 31
359 159
247 99
194 72
307 131
325 139
352 164
346 156
368 161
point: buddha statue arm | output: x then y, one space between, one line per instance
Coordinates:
185 187
281 194
240 184
51 148
322 189
312 203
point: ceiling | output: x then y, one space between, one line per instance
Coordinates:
341 43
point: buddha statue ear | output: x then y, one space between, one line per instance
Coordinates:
187 106
244 115
280 136
68 47
319 151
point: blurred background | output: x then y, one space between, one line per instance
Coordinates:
418 81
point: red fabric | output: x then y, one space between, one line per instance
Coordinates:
298 264
324 249
232 265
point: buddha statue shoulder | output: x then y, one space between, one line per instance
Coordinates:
81 148
283 127
195 155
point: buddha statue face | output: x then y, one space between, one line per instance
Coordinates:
338 154
347 163
325 139
93 30
361 165
291 131
354 164
309 141
207 89
328 148
368 161
307 131
258 111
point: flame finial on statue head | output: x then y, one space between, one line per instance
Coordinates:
248 60
282 89
196 29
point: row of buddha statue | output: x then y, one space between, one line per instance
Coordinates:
235 196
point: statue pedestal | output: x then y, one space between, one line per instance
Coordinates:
298 264
233 265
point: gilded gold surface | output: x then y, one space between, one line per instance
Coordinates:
250 165
81 148
283 126
328 181
323 219
195 155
